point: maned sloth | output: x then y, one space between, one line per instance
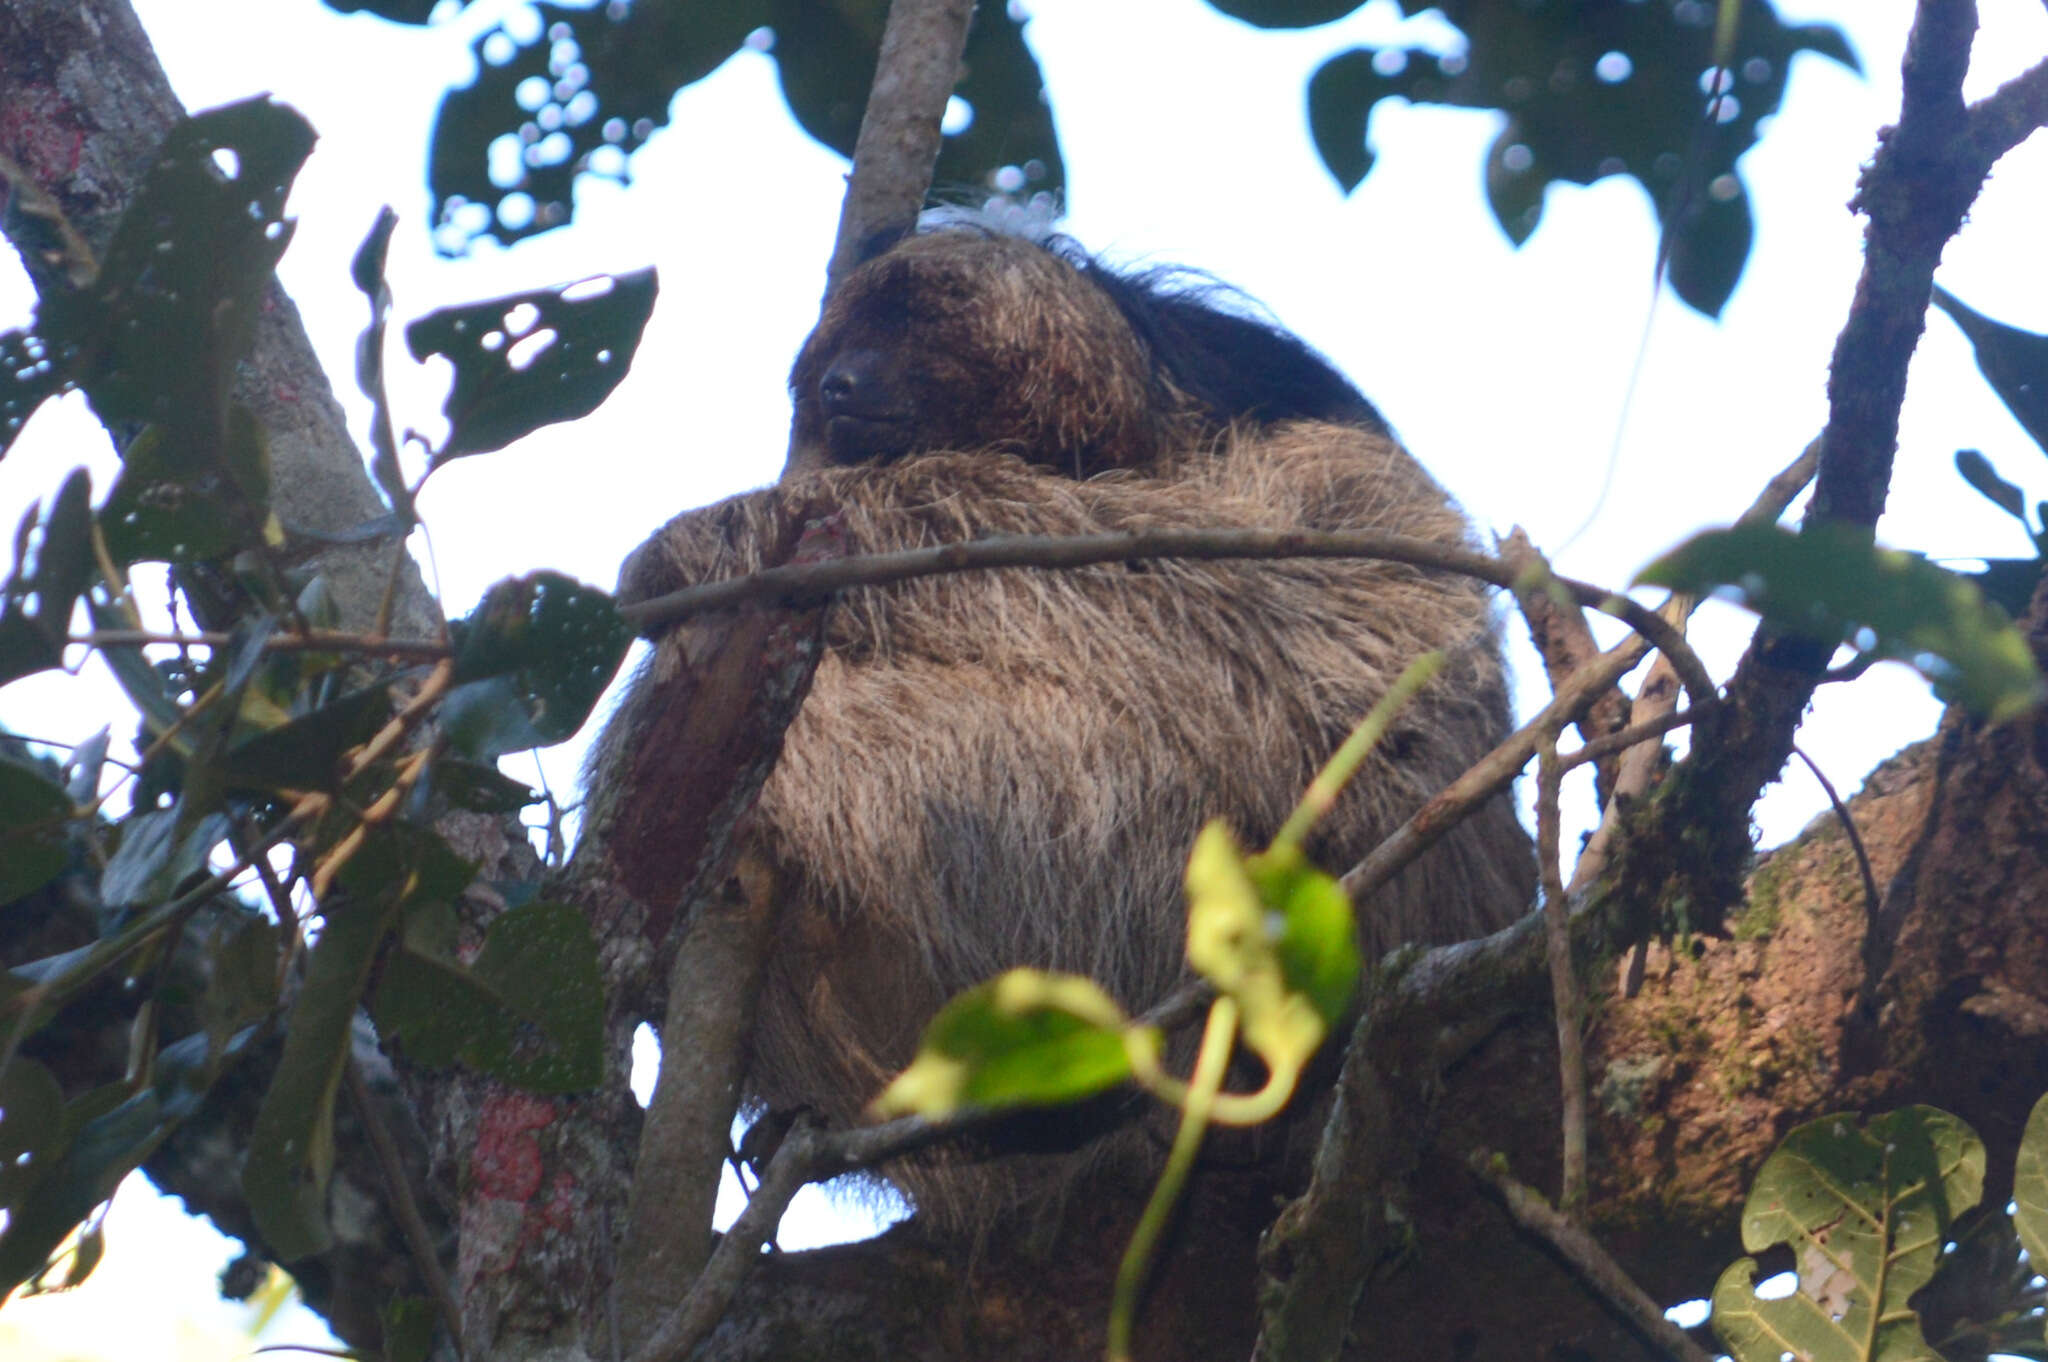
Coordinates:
1008 768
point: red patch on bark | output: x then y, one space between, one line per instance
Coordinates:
42 133
506 1161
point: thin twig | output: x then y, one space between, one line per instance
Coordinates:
1567 1000
1594 1267
1871 897
313 640
419 1240
1489 775
1626 738
802 582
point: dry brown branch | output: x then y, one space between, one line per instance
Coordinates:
1568 1000
1589 1261
1565 643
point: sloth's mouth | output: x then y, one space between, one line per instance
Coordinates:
858 437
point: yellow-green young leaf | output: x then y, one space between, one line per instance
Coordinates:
1318 945
2030 1185
1233 937
1865 1209
1832 582
1026 1038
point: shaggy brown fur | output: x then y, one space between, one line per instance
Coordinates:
1008 768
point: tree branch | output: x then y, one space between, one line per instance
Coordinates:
899 133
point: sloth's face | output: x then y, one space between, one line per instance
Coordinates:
958 341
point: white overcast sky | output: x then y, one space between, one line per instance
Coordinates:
1185 140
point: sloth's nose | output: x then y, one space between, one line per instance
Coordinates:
849 383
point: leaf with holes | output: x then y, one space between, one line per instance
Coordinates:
1865 1208
1589 91
1833 583
533 658
582 89
1026 1038
531 359
175 305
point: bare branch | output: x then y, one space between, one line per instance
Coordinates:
899 133
1591 1262
1568 1002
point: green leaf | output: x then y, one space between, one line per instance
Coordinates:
1233 942
631 61
2013 362
242 955
1865 1210
529 1011
291 1149
33 811
163 508
159 851
535 656
1318 942
1286 13
32 1135
37 599
29 375
305 753
476 788
1026 1038
1978 472
1831 582
531 359
409 1322
2030 1185
111 1137
1587 91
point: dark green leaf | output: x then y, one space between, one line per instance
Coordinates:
398 12
617 76
597 82
529 1011
1978 472
291 1150
531 359
158 852
33 810
476 788
52 564
28 375
1865 1208
1831 582
182 284
2008 582
367 270
2030 1185
142 683
1287 13
242 956
32 1135
1026 1038
409 1321
2013 362
305 753
535 656
112 1136
162 509
1588 91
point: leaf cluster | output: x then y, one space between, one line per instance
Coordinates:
280 755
